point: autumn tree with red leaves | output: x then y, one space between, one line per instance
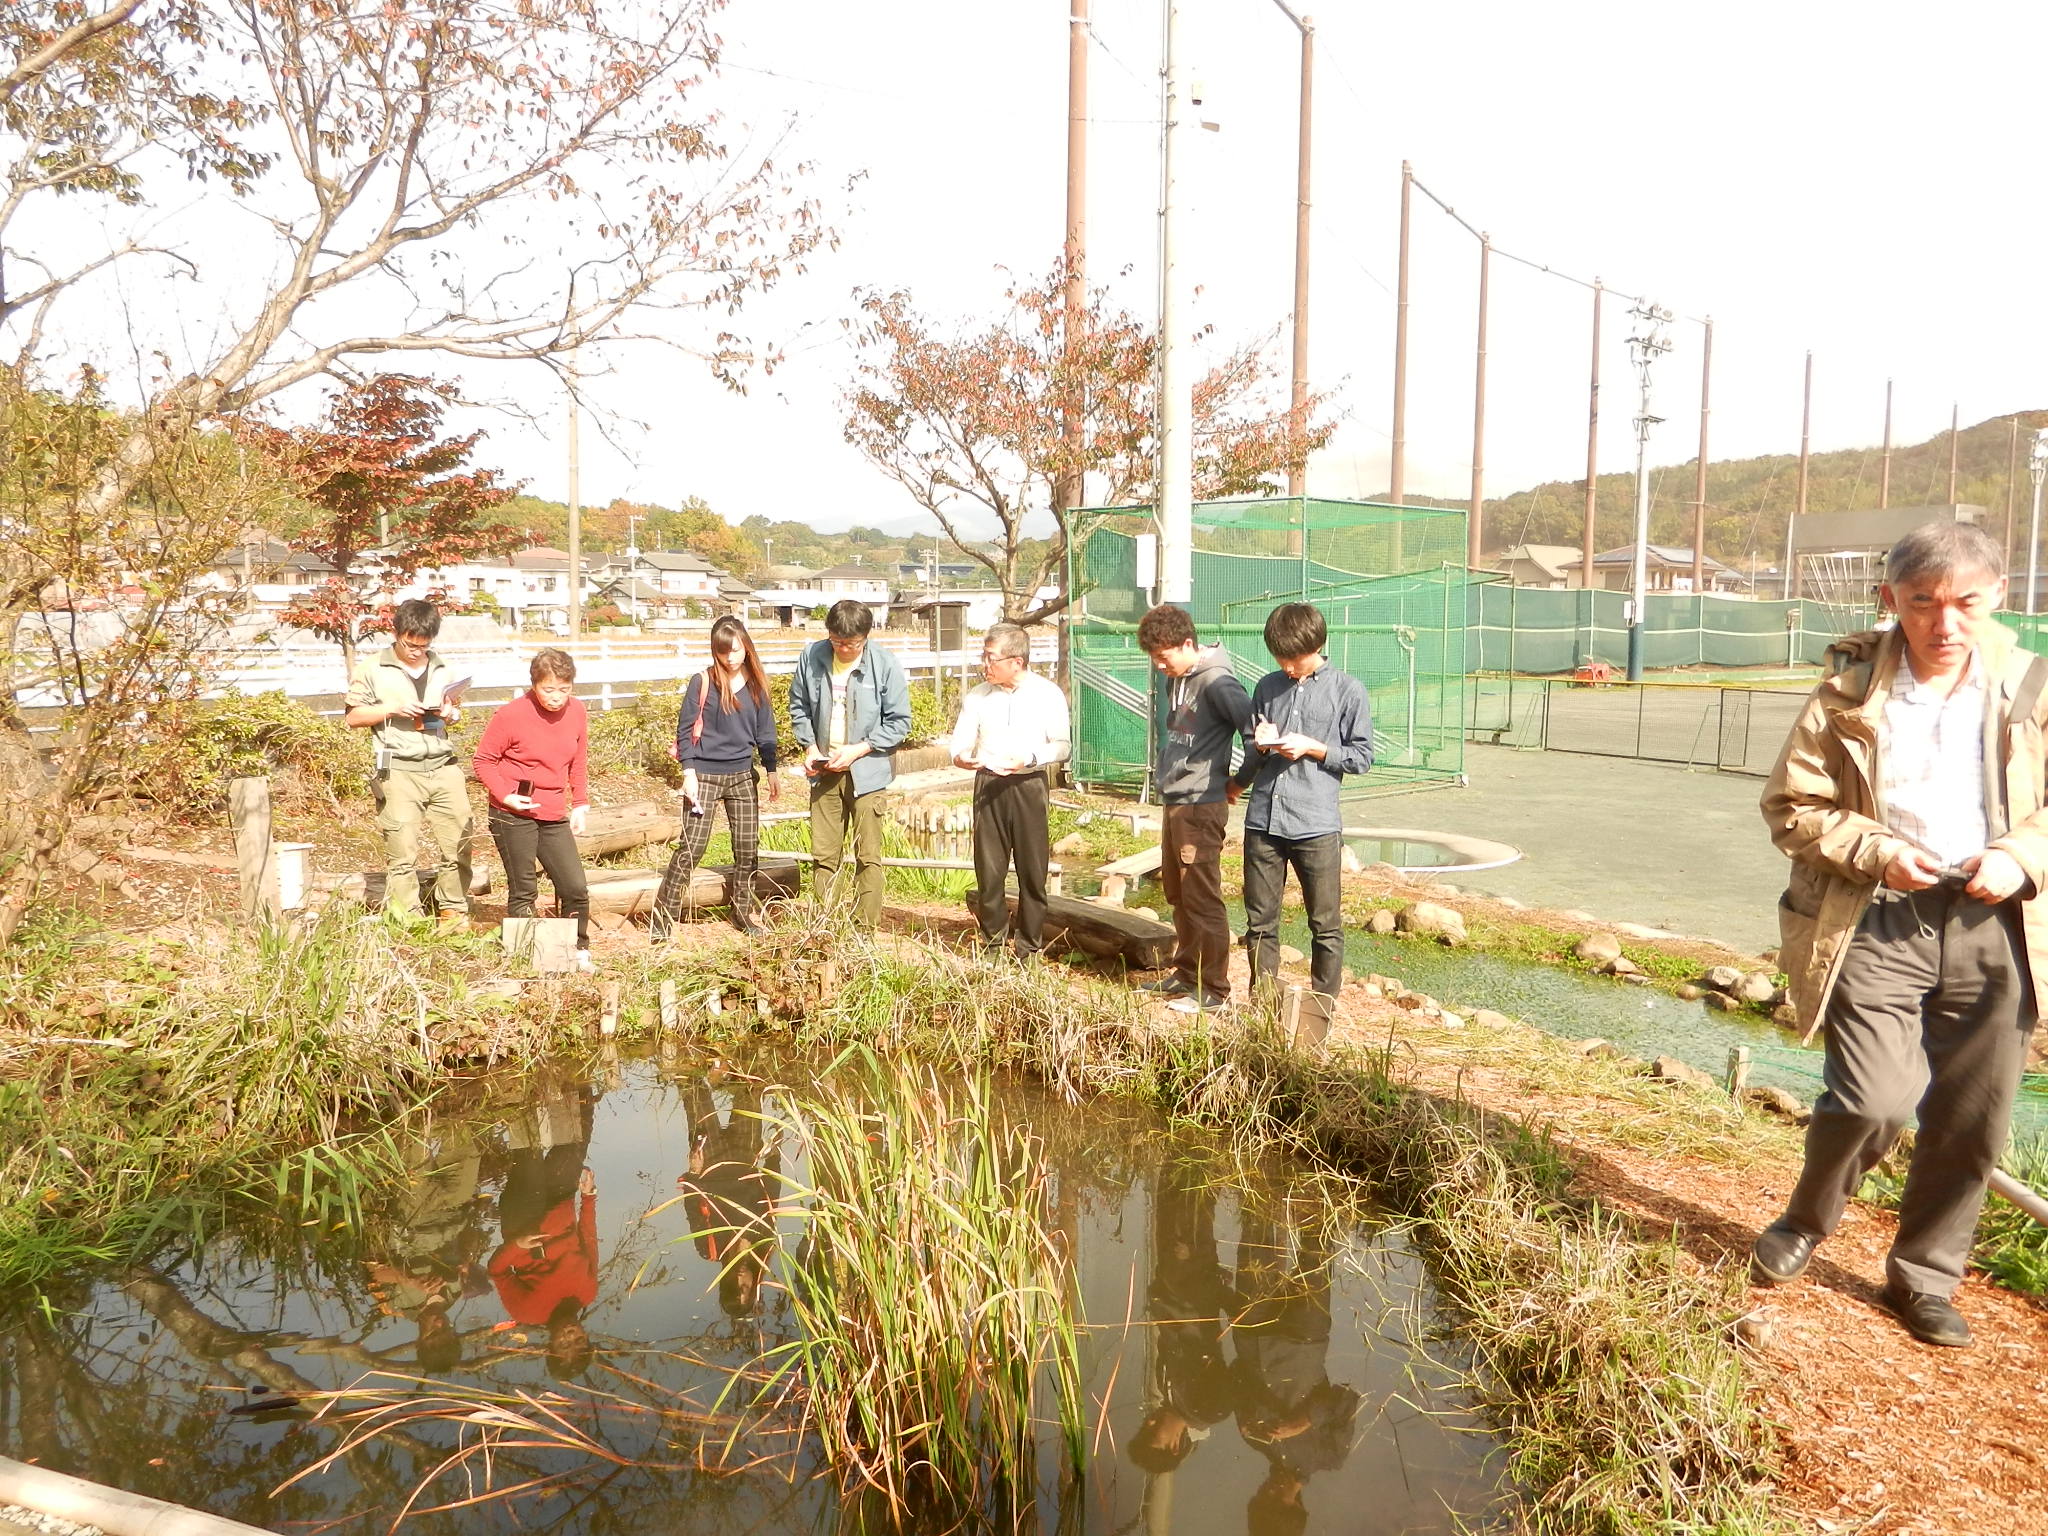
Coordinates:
971 423
383 484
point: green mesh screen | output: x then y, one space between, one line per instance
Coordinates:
1391 582
1534 629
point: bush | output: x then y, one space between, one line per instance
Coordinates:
198 746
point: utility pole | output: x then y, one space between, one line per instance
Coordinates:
1799 506
1475 523
1297 419
1884 474
2012 474
1699 479
1074 303
1586 531
575 502
1954 417
1647 345
1397 464
2037 465
1176 384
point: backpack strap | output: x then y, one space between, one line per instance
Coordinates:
703 697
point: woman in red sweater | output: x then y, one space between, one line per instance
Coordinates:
535 761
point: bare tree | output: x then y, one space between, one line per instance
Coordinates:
492 182
970 424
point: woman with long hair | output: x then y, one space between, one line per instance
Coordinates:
726 720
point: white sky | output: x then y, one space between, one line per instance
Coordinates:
1849 179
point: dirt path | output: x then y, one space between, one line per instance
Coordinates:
1884 1436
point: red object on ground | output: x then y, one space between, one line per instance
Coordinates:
1595 672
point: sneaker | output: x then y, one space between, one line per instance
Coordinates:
1188 1003
451 922
1165 986
585 966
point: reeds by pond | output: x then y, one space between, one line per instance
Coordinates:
935 1300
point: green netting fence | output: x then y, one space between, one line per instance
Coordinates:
1391 581
1542 630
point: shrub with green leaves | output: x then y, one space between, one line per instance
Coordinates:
195 748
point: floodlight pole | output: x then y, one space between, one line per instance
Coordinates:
2038 466
1647 345
1175 495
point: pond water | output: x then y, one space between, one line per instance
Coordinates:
544 1247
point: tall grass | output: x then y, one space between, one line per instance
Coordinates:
1603 1353
936 1303
247 1072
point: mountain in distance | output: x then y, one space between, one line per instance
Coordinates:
1749 501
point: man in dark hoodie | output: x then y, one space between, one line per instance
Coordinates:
1202 709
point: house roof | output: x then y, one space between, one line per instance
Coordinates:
540 558
733 586
1551 559
852 572
1660 554
633 589
675 560
775 573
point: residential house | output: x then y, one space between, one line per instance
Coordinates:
1540 565
863 583
1668 568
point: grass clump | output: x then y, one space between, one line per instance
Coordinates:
935 1302
257 1071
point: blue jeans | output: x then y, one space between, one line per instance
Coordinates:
1318 863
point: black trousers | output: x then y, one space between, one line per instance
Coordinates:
1318 863
1009 825
520 841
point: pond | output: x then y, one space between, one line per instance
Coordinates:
1250 1364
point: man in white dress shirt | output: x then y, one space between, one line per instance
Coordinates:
1012 728
1910 799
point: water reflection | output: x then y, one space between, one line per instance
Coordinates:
601 1254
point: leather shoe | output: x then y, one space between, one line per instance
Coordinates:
1780 1255
1930 1319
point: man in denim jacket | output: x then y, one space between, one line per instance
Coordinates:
850 708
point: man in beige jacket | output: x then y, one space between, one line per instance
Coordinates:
1909 797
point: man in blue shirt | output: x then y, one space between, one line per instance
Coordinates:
1311 725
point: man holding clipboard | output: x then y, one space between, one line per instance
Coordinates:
404 697
1011 728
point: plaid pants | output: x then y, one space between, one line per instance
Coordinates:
734 791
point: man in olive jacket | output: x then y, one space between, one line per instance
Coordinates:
1910 799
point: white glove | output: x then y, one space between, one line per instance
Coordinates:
579 817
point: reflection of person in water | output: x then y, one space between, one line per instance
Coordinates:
431 1248
1186 1303
546 1272
729 1188
1287 1408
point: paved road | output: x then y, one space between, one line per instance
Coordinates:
1625 840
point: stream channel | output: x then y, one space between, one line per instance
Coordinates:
544 1246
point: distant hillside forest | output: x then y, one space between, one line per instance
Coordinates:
741 548
1750 500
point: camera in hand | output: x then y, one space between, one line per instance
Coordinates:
432 723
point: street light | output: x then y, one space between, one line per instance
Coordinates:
1645 347
2037 464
